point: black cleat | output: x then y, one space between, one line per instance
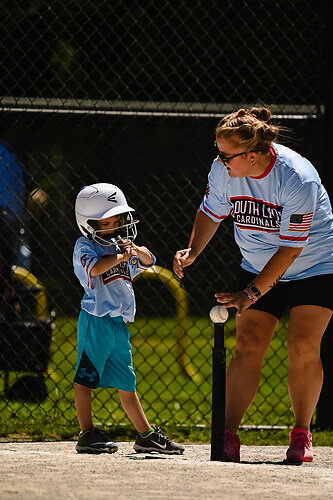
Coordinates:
157 441
94 441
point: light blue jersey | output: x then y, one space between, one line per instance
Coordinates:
286 206
111 292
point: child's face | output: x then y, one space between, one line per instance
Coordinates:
109 225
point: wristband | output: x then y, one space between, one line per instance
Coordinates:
249 295
253 290
133 260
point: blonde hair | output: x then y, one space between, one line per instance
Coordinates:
251 129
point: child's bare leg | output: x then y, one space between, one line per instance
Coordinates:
83 406
134 411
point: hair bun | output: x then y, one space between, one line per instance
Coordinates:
241 112
261 113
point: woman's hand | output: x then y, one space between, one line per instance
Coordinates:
182 259
240 300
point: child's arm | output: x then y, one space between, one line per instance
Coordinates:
107 261
145 256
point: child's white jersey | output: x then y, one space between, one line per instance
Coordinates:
111 292
286 206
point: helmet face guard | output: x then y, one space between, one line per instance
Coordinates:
120 236
101 201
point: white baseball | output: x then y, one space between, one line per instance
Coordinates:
219 314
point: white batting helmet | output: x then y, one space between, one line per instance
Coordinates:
100 201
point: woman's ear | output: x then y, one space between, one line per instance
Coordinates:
252 158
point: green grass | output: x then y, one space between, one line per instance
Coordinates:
170 398
46 429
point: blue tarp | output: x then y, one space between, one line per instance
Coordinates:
12 182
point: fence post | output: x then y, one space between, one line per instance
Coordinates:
324 417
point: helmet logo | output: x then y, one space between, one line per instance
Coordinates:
112 197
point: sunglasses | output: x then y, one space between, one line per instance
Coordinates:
225 158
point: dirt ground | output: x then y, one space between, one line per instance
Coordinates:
53 470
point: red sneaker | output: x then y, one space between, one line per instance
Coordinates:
300 449
231 446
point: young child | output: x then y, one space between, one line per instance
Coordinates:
105 261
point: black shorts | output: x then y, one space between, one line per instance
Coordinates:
316 291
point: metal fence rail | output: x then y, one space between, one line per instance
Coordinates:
130 94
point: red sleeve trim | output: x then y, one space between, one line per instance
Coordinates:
221 217
293 238
88 271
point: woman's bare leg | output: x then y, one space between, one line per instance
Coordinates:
307 325
254 332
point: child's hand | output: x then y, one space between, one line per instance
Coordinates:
129 249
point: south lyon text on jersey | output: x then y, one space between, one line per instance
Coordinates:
255 214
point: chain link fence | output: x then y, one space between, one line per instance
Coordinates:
130 93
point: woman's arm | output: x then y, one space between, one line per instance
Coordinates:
276 267
203 230
266 279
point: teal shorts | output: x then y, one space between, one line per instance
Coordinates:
104 355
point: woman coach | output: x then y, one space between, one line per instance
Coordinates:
283 225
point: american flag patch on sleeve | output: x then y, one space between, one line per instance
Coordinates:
300 222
